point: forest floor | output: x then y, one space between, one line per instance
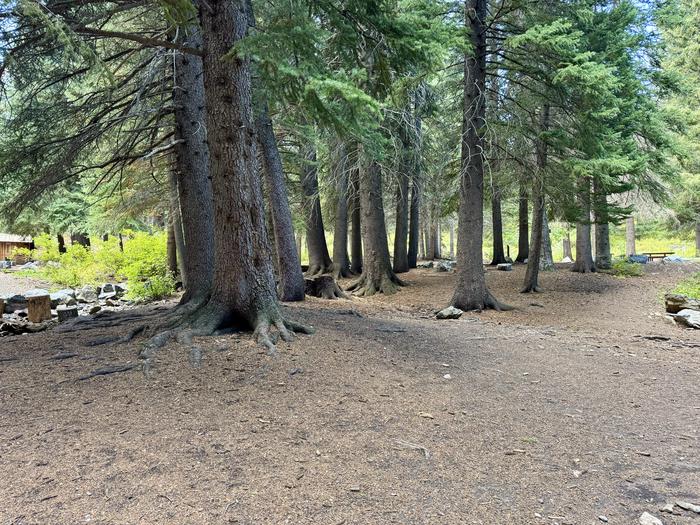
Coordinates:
582 406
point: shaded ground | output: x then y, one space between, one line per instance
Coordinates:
574 416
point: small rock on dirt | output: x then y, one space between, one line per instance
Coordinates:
449 313
689 318
649 519
504 267
677 302
689 506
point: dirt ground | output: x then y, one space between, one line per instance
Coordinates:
582 406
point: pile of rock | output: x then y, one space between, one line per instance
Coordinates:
37 309
683 310
440 265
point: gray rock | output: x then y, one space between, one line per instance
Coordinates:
66 312
14 303
689 318
689 506
648 519
449 313
677 302
442 267
504 267
36 292
425 264
87 294
61 297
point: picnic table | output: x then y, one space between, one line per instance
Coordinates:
657 255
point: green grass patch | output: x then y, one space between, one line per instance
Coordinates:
689 286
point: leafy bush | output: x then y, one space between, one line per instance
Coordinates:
143 264
689 286
624 268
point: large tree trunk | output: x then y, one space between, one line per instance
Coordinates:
291 280
471 292
532 272
356 219
630 237
603 258
319 258
341 258
192 170
523 241
401 232
377 275
499 256
584 256
243 289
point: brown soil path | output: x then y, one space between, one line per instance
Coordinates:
561 421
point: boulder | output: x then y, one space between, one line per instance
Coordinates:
689 318
677 302
14 303
65 297
425 264
449 313
566 259
87 294
442 267
504 267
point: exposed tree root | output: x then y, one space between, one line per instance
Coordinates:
340 272
368 285
318 269
324 286
488 302
531 289
583 268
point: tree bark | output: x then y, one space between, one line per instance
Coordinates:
414 221
546 257
192 170
584 256
471 292
603 258
171 250
80 238
319 258
566 246
630 237
452 239
377 275
523 241
402 211
697 237
532 272
243 288
356 218
499 256
291 279
341 258
61 243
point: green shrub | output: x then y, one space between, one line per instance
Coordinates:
625 268
146 267
46 249
689 286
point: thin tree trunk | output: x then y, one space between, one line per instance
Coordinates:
341 258
176 224
452 239
319 258
291 279
532 272
603 258
377 275
171 250
471 292
61 243
192 171
584 256
523 241
299 241
498 256
697 237
356 218
414 222
401 231
566 246
630 237
546 257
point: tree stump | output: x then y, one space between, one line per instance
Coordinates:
2 306
66 312
324 286
39 308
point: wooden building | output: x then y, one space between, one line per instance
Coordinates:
9 242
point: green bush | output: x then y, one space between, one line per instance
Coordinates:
689 286
142 263
625 268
